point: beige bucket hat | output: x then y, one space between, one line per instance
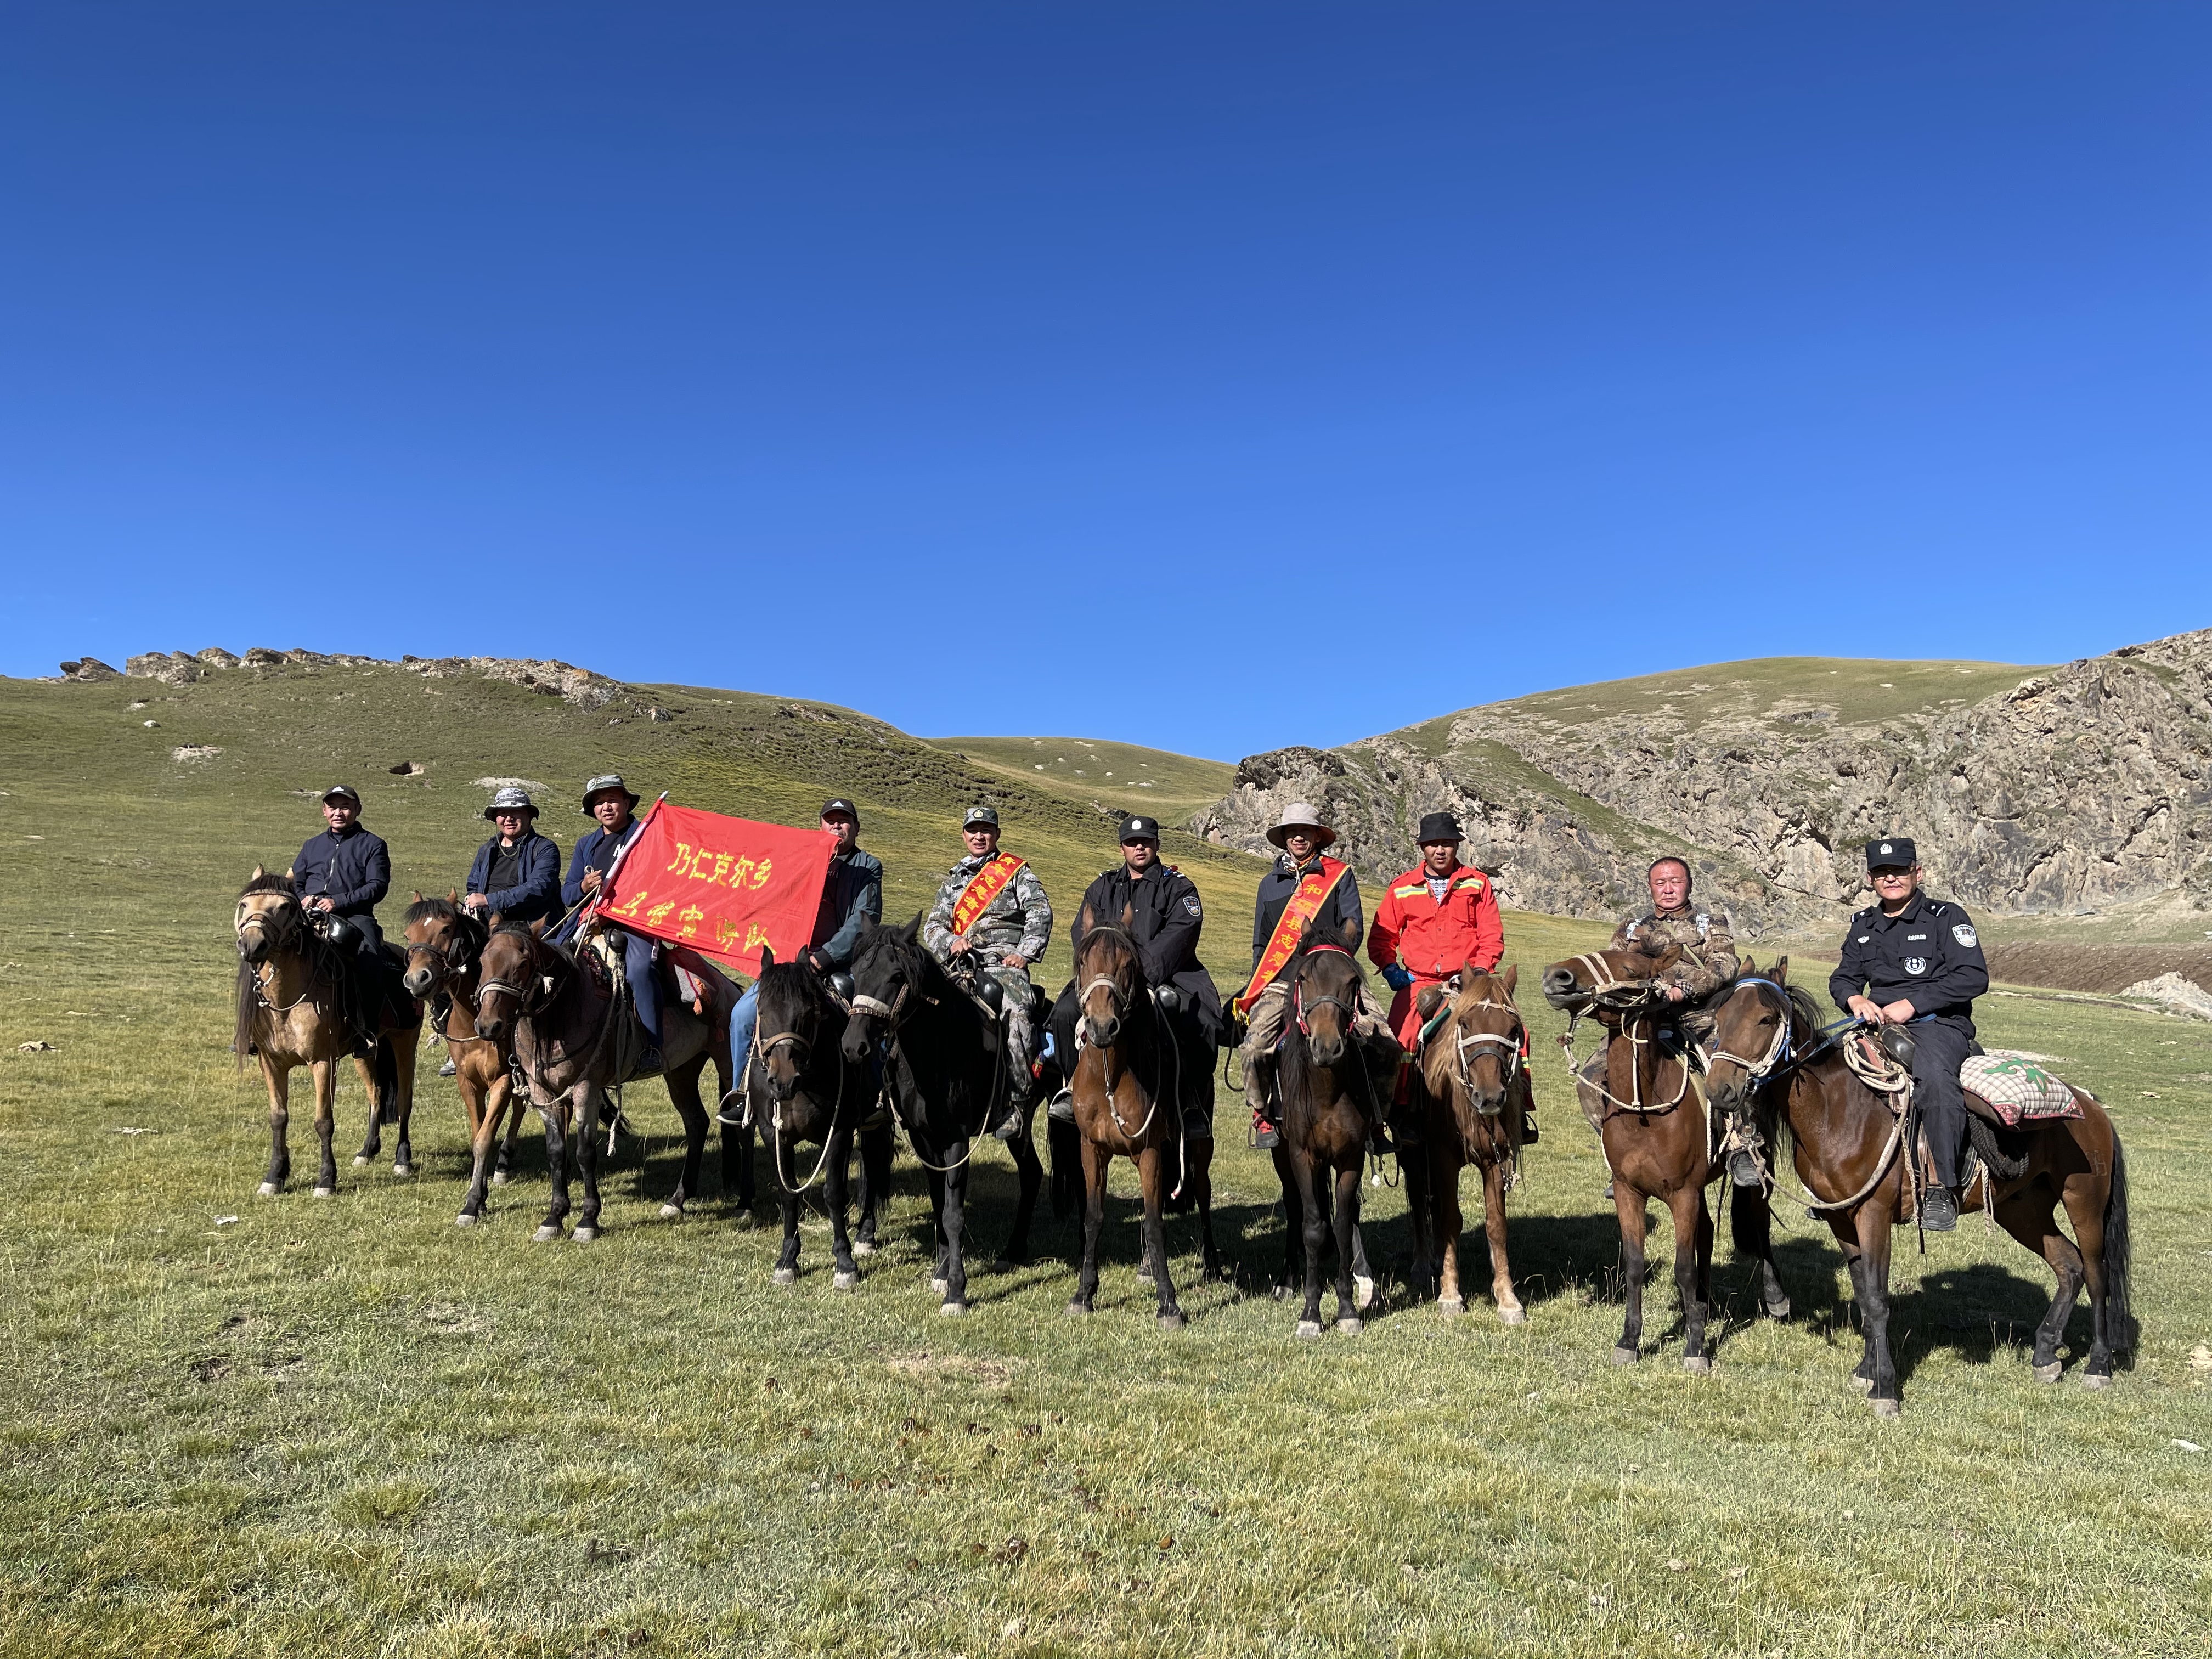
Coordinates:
1300 815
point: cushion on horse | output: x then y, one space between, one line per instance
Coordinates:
2015 1089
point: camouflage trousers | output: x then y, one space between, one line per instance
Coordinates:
1020 1029
1696 1026
1270 1016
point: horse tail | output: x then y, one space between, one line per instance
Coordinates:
1065 1142
2119 1258
1750 1224
387 1069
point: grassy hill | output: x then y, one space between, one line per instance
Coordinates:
1165 786
241 1426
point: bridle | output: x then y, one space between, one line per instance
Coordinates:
1298 990
1510 1041
541 983
1778 1055
288 935
1632 998
1106 982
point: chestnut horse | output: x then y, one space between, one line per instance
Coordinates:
1845 1145
1658 1141
1474 1087
1333 1101
443 943
1128 1085
291 1012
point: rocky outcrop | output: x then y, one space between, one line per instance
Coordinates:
2072 790
549 678
87 669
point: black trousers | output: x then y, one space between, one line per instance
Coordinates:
1940 1045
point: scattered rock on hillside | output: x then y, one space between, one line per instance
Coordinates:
170 667
2175 994
194 751
89 668
215 657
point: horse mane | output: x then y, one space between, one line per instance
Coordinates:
782 983
434 909
266 883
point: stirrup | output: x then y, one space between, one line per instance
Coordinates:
1266 1134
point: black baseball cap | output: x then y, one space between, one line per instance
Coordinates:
1137 827
831 808
343 791
1892 849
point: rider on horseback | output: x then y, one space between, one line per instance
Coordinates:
993 918
1304 890
613 803
1911 960
516 875
340 876
1438 917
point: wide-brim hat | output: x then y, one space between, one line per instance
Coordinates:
1439 826
1300 814
981 815
601 785
511 798
1892 850
341 792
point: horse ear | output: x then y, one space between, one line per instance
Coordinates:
768 956
1746 967
537 927
258 873
1128 917
1085 921
1512 978
452 895
913 929
289 874
418 896
1349 933
1780 971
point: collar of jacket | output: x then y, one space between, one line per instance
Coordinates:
1419 873
1911 912
1285 865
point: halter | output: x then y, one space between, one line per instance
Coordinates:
542 981
1778 1048
294 916
1298 991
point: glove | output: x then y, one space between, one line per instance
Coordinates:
820 964
1397 977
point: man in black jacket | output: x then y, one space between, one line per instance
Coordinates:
341 876
1914 961
1165 916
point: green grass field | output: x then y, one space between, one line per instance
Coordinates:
286 1426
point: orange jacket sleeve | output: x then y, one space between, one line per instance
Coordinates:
1489 930
1383 937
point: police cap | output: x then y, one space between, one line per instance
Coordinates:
1896 850
1137 827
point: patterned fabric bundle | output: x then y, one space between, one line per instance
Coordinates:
2017 1089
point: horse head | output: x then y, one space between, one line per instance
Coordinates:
1325 981
268 918
1606 982
887 976
512 976
1752 1026
1475 1055
443 941
791 1010
1110 977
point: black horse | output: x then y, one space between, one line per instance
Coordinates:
946 1064
801 1087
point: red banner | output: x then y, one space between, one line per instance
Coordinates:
724 886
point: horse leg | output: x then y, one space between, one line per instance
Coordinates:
587 1162
555 1116
2032 1224
1875 1236
1363 1276
1419 1174
326 1124
403 1043
1152 1177
280 1118
836 1189
375 1143
1031 1169
1095 1161
1443 1194
483 1129
1200 1177
1628 1206
956 1228
2084 1198
1349 1297
1693 1258
1493 1223
1313 1202
786 1263
940 1275
684 1091
1294 1226
1751 1228
875 1185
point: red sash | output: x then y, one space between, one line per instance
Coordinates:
1305 904
989 882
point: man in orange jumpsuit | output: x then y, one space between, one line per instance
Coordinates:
1436 919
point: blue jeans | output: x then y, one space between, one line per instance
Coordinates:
745 1019
644 984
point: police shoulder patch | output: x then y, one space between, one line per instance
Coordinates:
1190 903
1964 932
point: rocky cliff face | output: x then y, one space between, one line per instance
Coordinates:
2075 789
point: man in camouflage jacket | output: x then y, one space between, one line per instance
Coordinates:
1008 933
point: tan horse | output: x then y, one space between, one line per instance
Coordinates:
443 943
291 1012
1474 1087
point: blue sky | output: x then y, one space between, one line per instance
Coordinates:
1208 376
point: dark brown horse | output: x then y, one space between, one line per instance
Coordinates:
1847 1148
1473 1086
1333 1096
1129 1085
554 1009
443 943
292 995
1658 1140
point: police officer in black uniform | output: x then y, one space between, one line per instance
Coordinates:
1165 917
1914 961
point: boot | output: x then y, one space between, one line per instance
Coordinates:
1528 1134
1939 1209
1267 1113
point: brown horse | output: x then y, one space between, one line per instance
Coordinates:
555 1009
1474 1087
1333 1101
443 943
1846 1144
1658 1141
291 1012
1128 1087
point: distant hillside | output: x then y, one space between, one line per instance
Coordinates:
1161 784
2038 793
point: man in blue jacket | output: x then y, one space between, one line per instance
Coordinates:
340 876
613 804
852 896
517 873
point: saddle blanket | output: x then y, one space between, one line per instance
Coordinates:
2017 1089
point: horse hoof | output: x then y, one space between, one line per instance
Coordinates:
2094 1380
1309 1329
584 1234
1172 1322
2049 1373
269 1189
1778 1310
403 1170
464 1219
746 1221
359 1159
326 1192
864 1247
1143 1279
546 1234
1863 1384
1697 1364
499 1178
940 1286
953 1309
1888 1408
1350 1325
1513 1316
1453 1308
1076 1304
784 1276
1363 1292
844 1281
671 1213
1624 1356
